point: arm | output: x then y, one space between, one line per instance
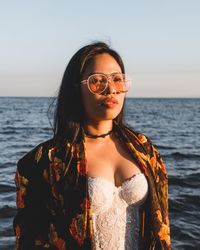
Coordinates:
31 222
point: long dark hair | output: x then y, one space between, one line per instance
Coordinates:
69 113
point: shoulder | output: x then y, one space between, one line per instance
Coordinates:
148 146
32 158
154 156
143 139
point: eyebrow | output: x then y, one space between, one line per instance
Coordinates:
104 73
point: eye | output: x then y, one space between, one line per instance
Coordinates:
98 79
118 78
93 79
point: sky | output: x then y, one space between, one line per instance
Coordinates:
159 42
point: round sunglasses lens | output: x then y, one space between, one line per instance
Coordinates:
97 83
119 82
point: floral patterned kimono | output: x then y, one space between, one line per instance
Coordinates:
54 211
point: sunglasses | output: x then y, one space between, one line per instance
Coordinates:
97 83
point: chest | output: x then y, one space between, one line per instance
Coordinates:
112 160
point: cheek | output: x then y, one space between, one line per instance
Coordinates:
89 101
121 100
93 110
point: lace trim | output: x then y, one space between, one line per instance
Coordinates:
116 212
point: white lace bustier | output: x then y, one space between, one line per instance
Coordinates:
115 212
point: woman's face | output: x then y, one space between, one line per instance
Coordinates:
108 104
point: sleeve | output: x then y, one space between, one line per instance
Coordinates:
161 176
31 222
157 210
161 185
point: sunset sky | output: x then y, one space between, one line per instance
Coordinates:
159 42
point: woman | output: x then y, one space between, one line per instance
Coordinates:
97 184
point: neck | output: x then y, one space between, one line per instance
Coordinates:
98 128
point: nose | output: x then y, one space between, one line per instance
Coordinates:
111 87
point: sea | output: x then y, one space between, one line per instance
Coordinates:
172 124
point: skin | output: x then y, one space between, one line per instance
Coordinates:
94 112
114 164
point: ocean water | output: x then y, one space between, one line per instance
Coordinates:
173 126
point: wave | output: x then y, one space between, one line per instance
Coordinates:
6 188
185 204
191 180
164 147
178 155
7 211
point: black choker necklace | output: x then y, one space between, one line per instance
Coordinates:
97 136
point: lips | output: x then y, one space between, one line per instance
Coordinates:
109 100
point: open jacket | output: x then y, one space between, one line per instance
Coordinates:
54 210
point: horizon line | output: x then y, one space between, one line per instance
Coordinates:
163 97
